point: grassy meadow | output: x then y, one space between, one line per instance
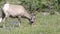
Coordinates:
44 25
49 24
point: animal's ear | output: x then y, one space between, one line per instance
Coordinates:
33 14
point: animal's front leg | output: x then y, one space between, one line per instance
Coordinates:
19 20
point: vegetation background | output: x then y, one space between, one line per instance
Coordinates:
47 17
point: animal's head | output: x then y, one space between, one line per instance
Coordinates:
32 20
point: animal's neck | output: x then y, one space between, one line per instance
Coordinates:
27 15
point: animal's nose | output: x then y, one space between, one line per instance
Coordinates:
31 22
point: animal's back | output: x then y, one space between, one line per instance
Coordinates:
16 10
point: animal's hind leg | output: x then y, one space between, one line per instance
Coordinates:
4 21
19 20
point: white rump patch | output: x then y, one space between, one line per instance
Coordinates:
6 6
0 19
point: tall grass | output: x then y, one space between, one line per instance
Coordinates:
43 25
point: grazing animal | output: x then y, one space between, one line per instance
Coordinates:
16 11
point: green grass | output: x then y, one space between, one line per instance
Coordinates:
43 25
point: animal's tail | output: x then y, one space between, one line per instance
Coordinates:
3 14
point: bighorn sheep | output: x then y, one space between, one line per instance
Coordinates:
16 11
